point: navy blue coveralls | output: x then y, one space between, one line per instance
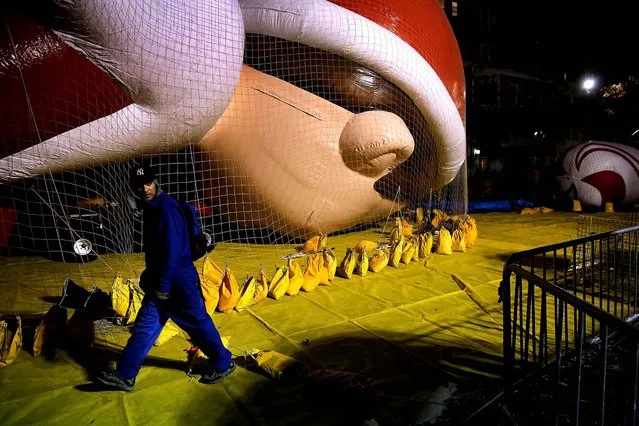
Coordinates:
169 269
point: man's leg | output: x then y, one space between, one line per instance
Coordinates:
145 331
188 312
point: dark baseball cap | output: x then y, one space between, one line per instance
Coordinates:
140 175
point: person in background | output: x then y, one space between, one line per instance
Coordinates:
171 285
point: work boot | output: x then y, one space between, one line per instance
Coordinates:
111 379
213 376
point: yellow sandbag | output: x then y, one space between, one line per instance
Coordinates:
473 232
279 284
137 294
396 233
408 251
311 244
468 233
347 266
229 292
416 251
315 243
467 236
120 299
210 283
378 261
366 246
323 242
361 265
458 243
322 271
274 363
39 338
330 262
435 221
407 228
444 246
441 215
261 287
311 274
126 300
246 294
10 342
295 277
169 331
395 254
425 245
49 334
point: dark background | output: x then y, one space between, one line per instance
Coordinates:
524 63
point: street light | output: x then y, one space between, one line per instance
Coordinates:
588 83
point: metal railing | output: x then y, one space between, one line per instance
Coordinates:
597 224
571 351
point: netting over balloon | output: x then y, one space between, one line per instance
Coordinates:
277 120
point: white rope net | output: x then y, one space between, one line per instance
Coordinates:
277 120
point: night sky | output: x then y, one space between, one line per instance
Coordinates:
600 37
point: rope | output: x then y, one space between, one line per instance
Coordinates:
197 191
389 213
24 86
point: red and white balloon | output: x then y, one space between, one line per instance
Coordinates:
601 172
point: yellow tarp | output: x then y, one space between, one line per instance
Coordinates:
403 328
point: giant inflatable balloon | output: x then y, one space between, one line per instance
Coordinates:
301 116
601 172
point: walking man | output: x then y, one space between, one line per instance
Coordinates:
171 285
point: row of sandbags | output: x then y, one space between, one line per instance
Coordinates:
406 246
223 293
443 235
47 335
462 230
52 332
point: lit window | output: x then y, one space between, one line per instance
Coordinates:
454 8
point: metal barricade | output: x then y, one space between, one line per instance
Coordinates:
571 351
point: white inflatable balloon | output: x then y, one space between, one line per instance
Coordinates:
177 91
600 172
